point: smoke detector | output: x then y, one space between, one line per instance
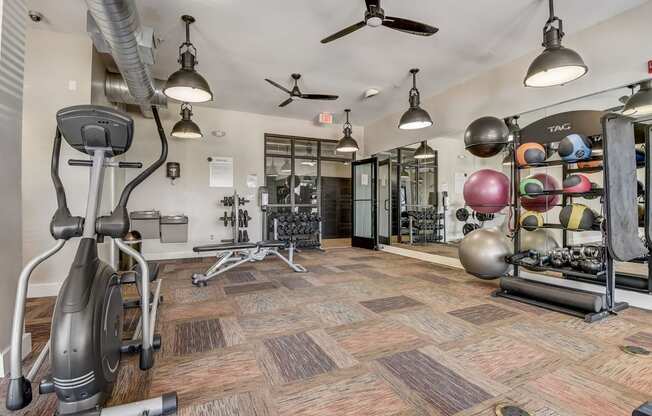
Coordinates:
371 92
218 133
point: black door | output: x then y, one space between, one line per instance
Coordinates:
384 185
364 203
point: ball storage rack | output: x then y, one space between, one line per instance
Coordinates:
588 305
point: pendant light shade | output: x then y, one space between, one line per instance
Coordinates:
186 128
640 104
556 65
415 117
187 85
347 144
424 152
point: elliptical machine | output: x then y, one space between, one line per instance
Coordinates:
86 343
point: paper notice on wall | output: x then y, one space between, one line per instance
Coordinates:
220 172
460 180
252 181
364 179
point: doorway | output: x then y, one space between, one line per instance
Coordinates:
364 173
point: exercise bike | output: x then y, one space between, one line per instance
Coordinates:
86 342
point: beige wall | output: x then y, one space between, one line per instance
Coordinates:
11 88
191 194
616 52
55 77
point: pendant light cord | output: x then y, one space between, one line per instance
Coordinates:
552 19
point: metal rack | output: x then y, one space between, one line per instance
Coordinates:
552 297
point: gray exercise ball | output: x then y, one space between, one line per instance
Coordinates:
540 240
486 137
483 252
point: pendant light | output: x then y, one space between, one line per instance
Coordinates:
186 128
347 144
640 104
556 65
424 151
186 85
415 117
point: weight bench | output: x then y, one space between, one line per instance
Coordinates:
231 255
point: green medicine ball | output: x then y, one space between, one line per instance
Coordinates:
577 217
529 186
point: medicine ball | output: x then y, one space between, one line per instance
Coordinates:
529 186
542 203
577 217
530 154
487 191
594 186
486 137
574 147
577 184
640 189
482 253
641 215
590 164
640 156
531 220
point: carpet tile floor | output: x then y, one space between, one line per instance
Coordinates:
368 333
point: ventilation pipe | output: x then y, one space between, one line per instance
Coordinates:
114 26
117 91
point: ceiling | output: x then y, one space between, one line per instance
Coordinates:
241 42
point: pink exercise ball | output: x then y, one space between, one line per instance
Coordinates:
542 203
487 191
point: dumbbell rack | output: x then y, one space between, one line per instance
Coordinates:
238 220
304 230
427 224
611 306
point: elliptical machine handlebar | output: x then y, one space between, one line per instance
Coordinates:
116 225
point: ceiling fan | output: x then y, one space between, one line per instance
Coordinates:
295 93
375 16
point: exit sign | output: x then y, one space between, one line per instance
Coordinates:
325 118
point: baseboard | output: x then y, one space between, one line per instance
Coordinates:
42 290
5 354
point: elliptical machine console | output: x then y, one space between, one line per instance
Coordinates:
86 343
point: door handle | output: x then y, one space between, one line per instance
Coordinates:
387 205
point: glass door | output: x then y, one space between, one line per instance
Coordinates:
384 201
364 203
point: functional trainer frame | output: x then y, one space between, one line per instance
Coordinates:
230 256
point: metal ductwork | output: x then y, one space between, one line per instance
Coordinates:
117 91
114 26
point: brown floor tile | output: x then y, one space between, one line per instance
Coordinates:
482 314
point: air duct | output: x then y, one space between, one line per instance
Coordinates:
117 91
114 26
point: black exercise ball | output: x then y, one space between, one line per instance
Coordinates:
577 217
486 137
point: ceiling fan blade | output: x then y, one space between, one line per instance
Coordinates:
278 85
286 102
409 26
344 32
370 3
319 97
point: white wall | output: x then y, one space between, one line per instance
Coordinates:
616 52
191 194
55 77
12 34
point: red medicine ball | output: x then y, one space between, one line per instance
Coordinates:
577 184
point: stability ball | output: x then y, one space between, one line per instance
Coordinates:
487 191
542 203
540 240
482 253
486 136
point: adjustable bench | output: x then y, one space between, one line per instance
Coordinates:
232 255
